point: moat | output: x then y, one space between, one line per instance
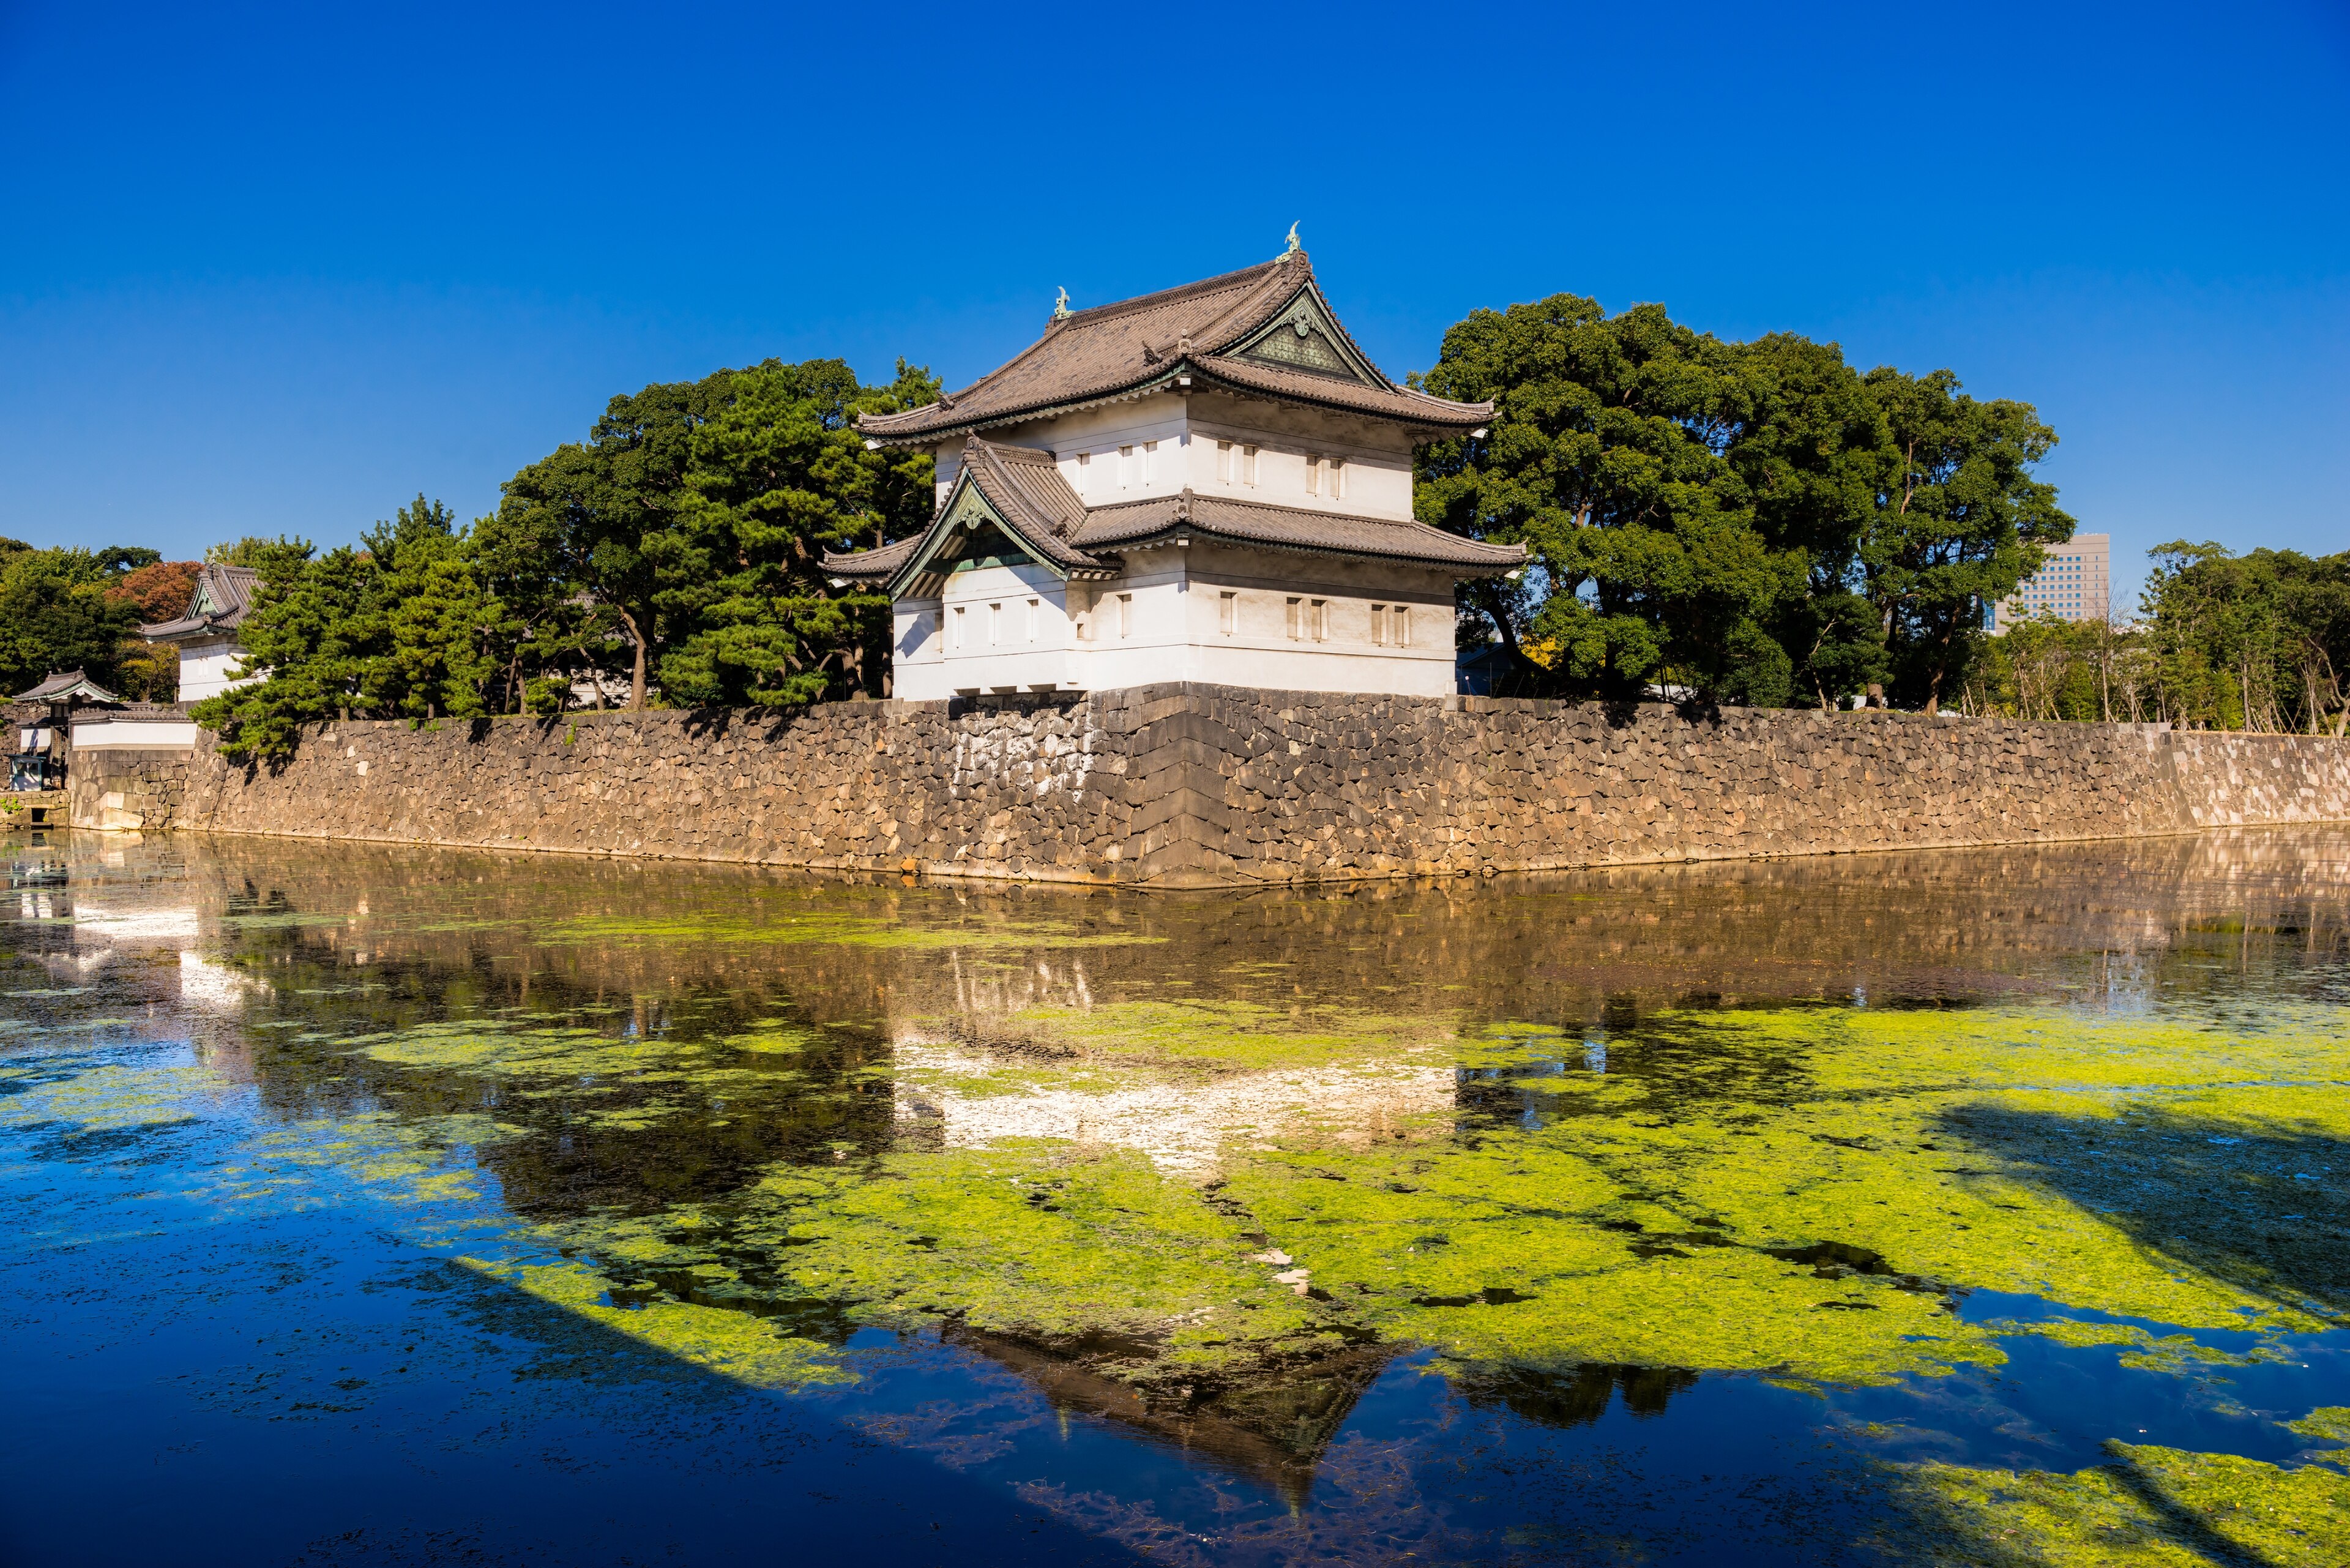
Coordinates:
403 1206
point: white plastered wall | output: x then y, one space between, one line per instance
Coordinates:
992 630
204 669
1164 619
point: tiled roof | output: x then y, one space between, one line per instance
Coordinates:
1293 528
1111 350
223 596
1026 490
61 688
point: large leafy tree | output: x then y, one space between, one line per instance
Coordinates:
63 609
778 476
1608 457
598 514
1808 449
1755 521
691 521
1959 522
434 627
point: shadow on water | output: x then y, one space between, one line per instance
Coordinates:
2260 1211
635 1455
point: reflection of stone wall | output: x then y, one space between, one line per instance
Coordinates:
1200 785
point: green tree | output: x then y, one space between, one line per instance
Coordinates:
60 609
1608 456
597 513
1808 449
252 551
2259 641
432 625
305 646
1959 521
691 520
778 476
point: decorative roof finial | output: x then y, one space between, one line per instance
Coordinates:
1294 246
1061 306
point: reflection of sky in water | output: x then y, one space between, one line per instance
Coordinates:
513 1187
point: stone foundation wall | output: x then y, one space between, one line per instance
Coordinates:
1187 784
130 790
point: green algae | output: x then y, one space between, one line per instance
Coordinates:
1230 1035
1792 1192
2151 1506
2331 1422
1049 1243
747 1349
79 1099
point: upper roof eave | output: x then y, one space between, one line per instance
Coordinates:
1101 355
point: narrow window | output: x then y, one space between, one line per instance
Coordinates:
958 636
1337 479
1149 461
1313 474
1032 620
1125 466
1228 613
1126 615
1293 612
1403 626
1379 623
1224 474
1321 620
1248 465
996 623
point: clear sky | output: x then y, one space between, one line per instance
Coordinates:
270 271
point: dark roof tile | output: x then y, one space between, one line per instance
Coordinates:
1112 350
225 595
1025 488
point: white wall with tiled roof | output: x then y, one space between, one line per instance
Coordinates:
1202 611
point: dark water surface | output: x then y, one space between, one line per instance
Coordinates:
401 1207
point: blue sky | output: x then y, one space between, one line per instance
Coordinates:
275 270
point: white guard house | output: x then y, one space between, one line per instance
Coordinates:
1210 483
206 633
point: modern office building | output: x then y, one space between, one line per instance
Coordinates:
2077 584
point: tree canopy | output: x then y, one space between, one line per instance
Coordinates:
677 549
1748 522
76 608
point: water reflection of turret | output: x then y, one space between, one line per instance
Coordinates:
1272 1427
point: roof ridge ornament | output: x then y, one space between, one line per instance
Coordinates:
1061 306
1295 245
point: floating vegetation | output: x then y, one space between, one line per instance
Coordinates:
2150 1505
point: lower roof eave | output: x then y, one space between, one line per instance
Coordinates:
1163 537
